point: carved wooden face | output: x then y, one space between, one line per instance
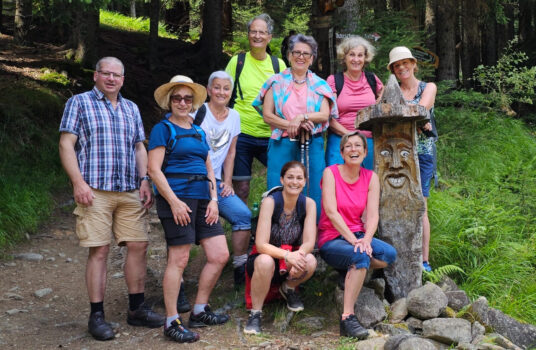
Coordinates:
396 158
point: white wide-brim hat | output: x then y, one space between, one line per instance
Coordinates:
161 94
399 53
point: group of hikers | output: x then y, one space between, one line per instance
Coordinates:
200 162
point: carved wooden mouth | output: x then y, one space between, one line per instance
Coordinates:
396 181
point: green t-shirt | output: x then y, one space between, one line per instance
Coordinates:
254 74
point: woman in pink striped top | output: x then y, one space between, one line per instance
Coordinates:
345 242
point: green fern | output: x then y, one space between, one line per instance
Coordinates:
445 270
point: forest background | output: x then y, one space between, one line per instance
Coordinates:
483 211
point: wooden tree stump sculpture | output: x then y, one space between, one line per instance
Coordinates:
393 124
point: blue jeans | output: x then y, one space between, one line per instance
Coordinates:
340 254
426 168
234 211
333 151
283 150
247 147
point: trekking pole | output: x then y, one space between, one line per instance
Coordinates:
307 139
302 146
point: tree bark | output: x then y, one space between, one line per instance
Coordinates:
23 19
210 44
505 32
320 25
227 20
133 8
471 46
85 33
430 24
1 16
527 18
489 38
153 34
446 39
347 16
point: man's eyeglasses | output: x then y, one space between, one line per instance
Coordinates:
305 55
110 74
178 99
260 32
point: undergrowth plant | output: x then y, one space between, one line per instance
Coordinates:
509 80
483 216
29 167
437 273
126 23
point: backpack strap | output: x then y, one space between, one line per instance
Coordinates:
275 64
279 205
371 79
339 82
236 87
200 115
239 66
173 138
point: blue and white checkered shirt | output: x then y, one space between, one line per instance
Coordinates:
105 148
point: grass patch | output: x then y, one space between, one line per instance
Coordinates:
121 22
30 168
51 76
483 217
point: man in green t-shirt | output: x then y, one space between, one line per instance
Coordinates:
255 133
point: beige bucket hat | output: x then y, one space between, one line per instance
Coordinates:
161 94
399 53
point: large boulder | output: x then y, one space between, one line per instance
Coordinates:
447 330
478 311
457 299
369 309
390 329
394 342
371 344
427 301
521 334
416 343
399 311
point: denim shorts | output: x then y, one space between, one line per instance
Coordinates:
234 211
247 147
426 168
340 254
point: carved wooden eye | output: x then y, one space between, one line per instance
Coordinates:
404 153
385 153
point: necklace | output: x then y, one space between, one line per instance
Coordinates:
299 81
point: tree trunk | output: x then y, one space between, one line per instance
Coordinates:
1 16
379 7
227 20
23 18
505 32
527 18
430 24
133 8
153 34
347 17
210 45
470 40
446 39
85 33
489 38
321 24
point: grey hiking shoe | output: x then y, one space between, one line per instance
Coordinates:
294 302
253 325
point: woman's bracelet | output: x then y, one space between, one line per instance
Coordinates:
285 258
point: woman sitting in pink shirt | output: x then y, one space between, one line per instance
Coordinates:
355 89
344 241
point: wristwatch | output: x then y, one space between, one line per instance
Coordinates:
305 118
214 199
146 177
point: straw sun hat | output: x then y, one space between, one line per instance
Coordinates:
399 53
162 93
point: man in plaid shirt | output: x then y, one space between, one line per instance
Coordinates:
102 152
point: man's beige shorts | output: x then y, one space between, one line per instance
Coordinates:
119 212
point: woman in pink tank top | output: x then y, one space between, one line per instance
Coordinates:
345 242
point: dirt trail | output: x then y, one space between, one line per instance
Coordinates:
59 318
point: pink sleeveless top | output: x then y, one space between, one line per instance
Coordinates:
351 202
